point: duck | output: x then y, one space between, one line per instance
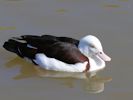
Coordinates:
60 53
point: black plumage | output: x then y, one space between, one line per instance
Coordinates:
62 48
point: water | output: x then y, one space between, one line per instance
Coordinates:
110 20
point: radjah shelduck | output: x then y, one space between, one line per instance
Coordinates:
60 53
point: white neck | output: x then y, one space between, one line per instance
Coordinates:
96 63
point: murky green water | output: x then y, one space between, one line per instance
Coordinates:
110 20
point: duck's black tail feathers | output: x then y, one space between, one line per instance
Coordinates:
20 48
12 46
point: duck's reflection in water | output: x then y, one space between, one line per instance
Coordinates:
91 81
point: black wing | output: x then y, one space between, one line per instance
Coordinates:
61 48
65 52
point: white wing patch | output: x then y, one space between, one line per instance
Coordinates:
54 64
19 40
29 46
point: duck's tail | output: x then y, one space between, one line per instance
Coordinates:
13 46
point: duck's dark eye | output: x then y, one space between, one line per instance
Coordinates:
100 52
92 46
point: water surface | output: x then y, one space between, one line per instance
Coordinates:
110 20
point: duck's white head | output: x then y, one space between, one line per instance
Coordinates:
91 47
